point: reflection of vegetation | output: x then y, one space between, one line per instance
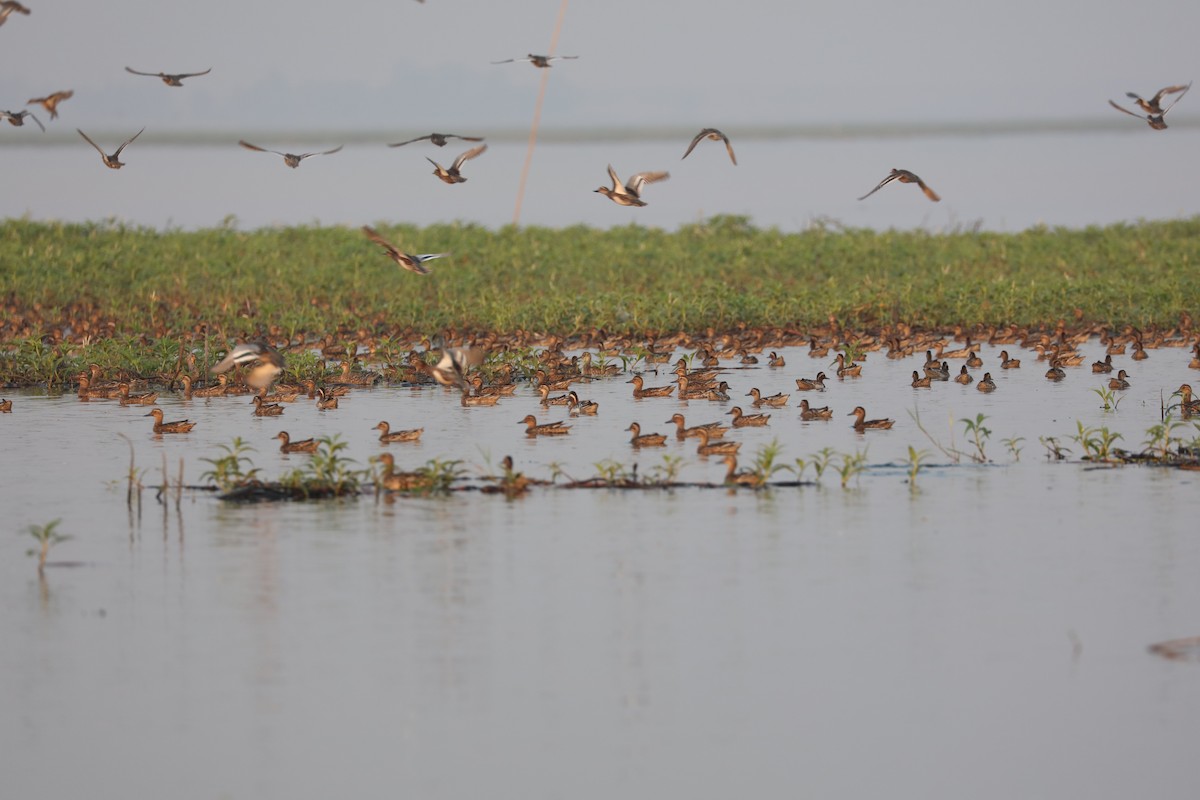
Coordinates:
915 461
46 536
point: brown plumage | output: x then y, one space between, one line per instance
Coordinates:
714 135
410 262
170 79
452 175
904 176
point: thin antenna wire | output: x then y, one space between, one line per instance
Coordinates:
537 114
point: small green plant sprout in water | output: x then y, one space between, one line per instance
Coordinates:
1014 446
916 459
764 465
667 472
978 435
820 462
46 537
612 473
329 471
853 465
1054 450
1108 397
1161 437
1096 442
227 470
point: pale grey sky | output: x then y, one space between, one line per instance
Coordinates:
363 64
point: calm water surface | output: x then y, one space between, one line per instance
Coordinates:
984 635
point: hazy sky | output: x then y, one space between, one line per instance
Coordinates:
401 65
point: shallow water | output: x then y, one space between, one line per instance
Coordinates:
1006 182
875 640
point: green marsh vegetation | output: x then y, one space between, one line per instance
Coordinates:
141 295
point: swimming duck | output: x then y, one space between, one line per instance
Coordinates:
1104 366
1009 363
50 102
180 426
1187 406
986 384
452 175
1139 351
639 391
600 369
111 161
409 261
718 393
861 423
394 481
919 382
263 363
439 139
963 376
207 391
142 399
706 448
736 478
557 400
810 384
1195 362
816 349
715 135
532 428
575 406
808 413
715 429
1056 372
845 368
541 62
1154 111
5 406
278 397
262 409
290 159
774 401
387 435
741 420
939 373
630 193
904 176
1119 382
973 360
466 399
775 360
175 79
302 446
640 439
326 401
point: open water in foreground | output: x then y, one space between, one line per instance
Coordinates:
983 635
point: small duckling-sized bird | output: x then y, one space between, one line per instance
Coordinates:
809 414
734 477
439 139
263 363
715 429
111 161
639 391
388 435
179 426
963 376
5 406
170 79
630 193
11 7
986 384
291 159
919 382
262 409
1009 363
452 175
714 135
1119 382
706 448
774 401
412 263
302 446
904 176
741 420
861 423
811 384
532 428
1153 108
541 62
17 118
640 439
50 102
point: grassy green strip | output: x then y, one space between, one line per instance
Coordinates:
110 280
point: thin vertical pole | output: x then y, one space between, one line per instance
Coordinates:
537 114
